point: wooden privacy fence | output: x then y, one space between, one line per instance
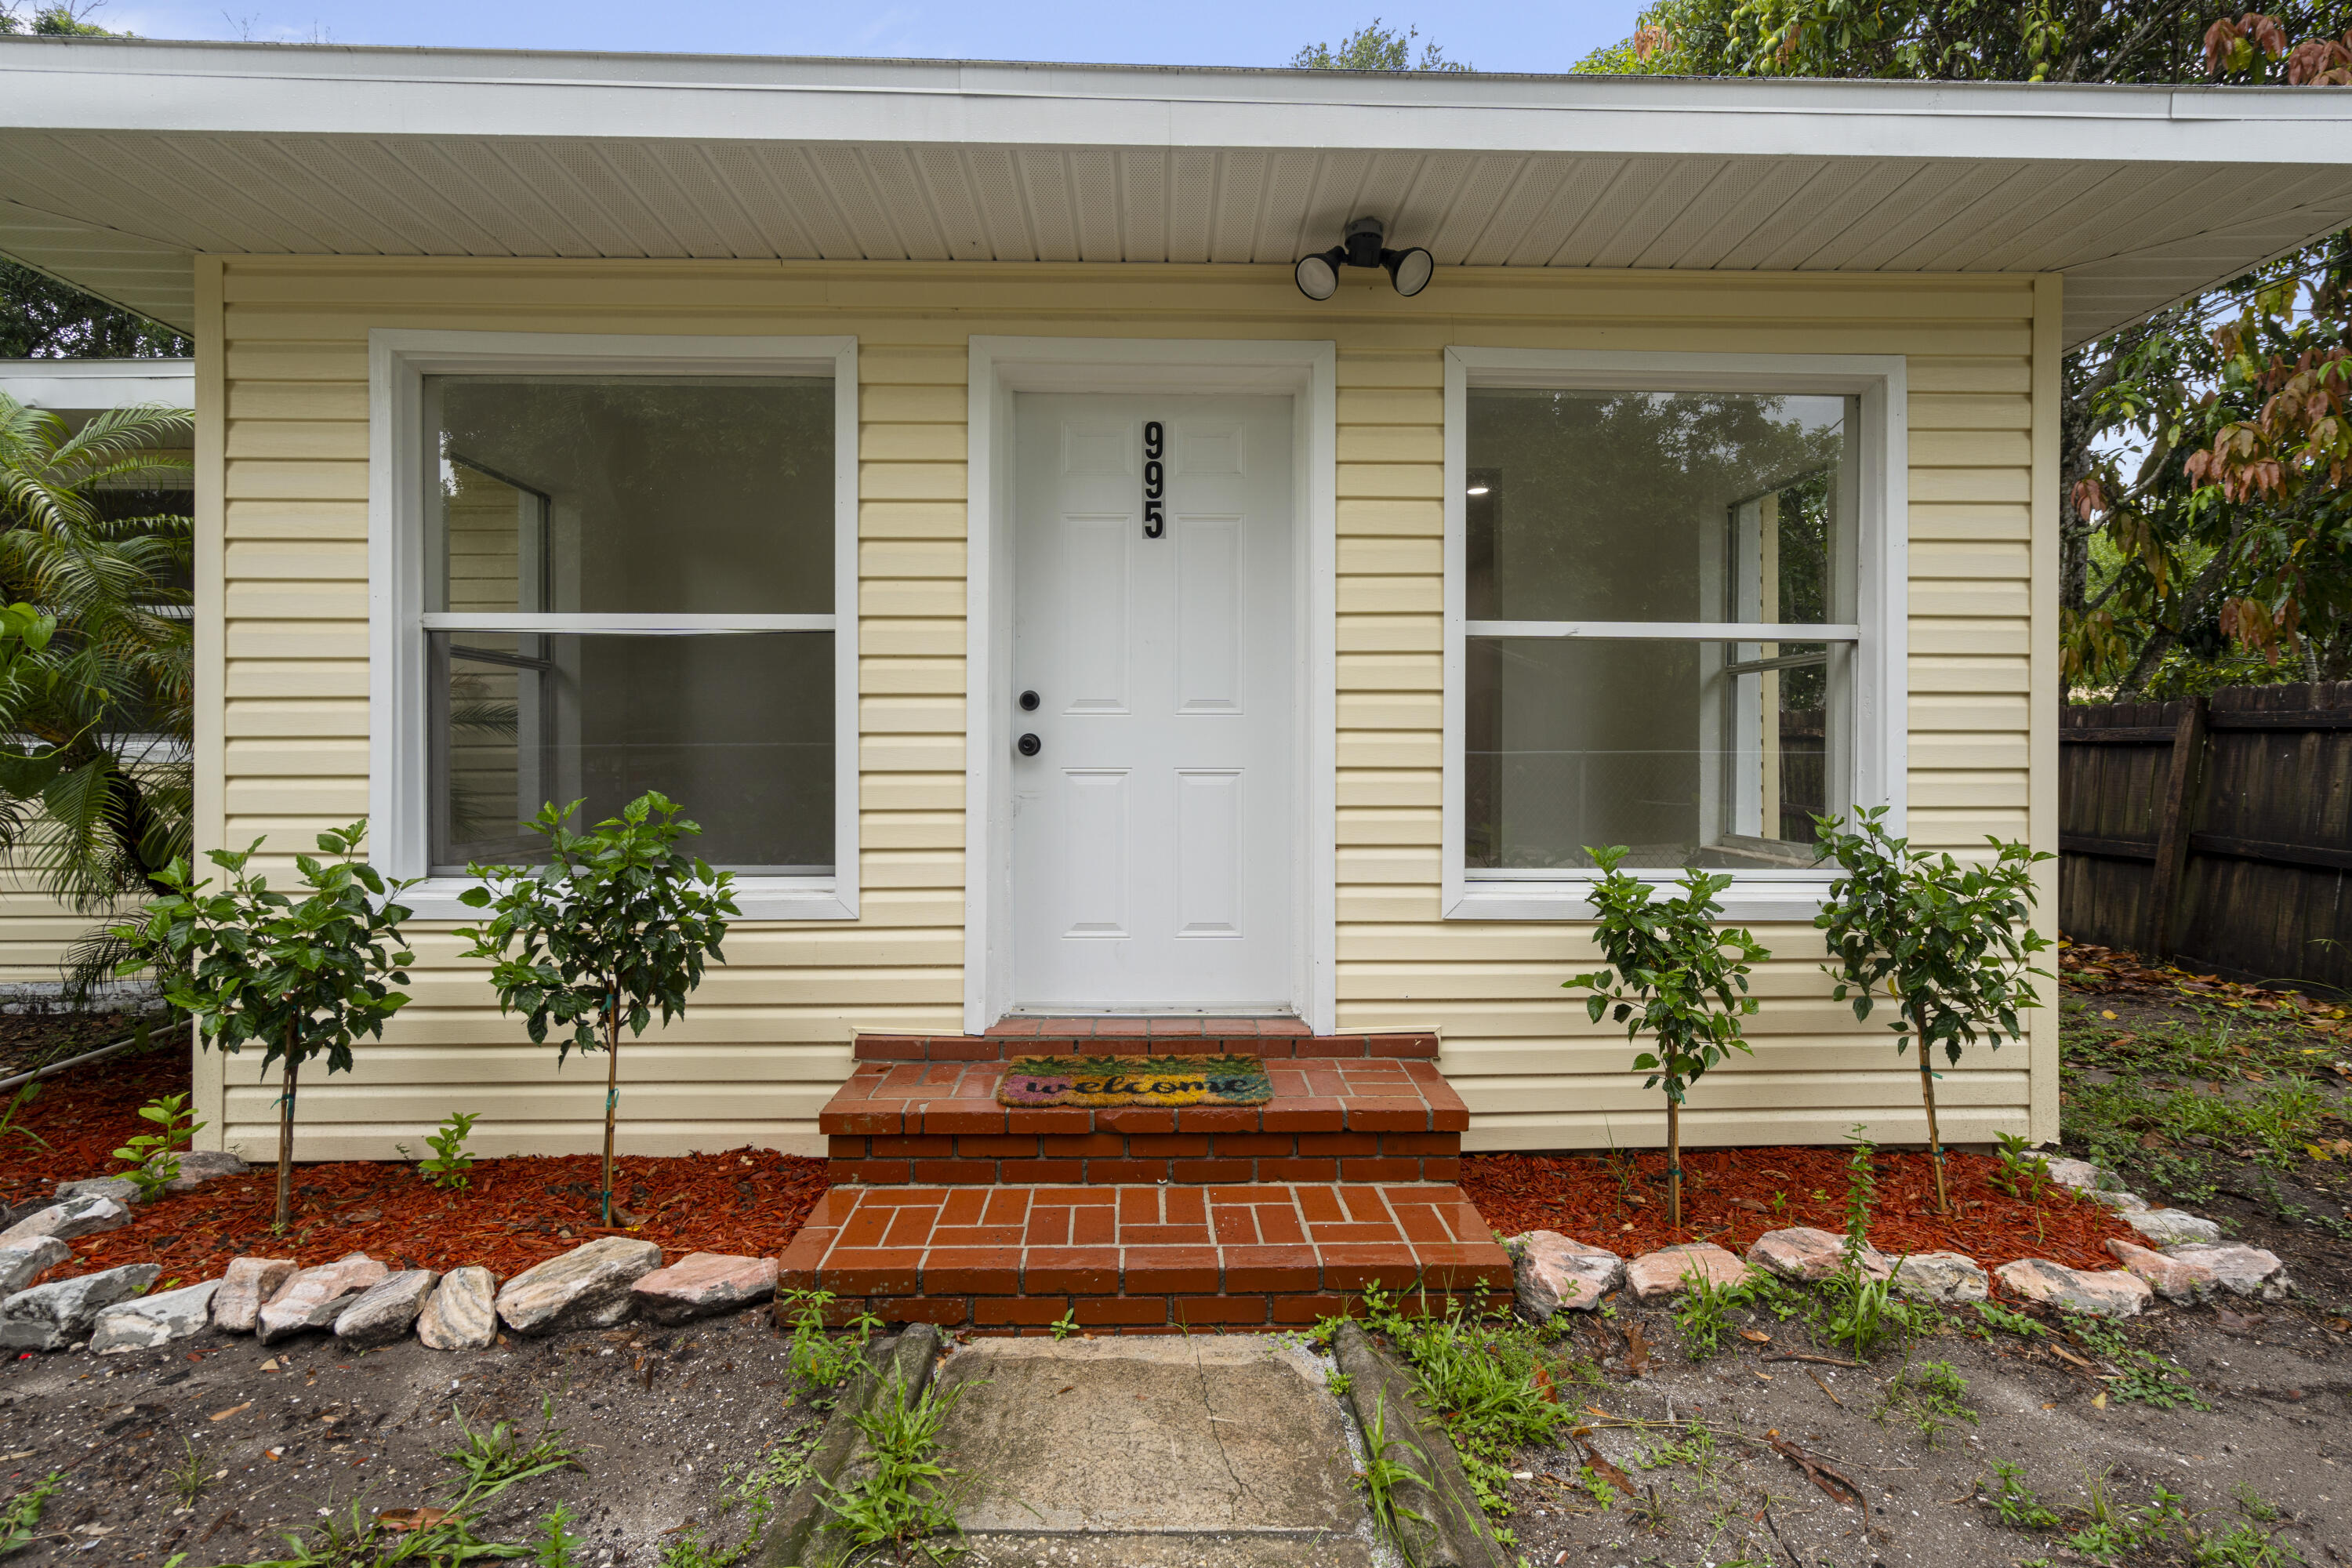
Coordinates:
2217 832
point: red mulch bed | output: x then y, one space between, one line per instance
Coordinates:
517 1211
1727 1197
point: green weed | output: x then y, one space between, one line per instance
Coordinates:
2015 1502
556 1546
497 1458
2149 1380
1383 1476
2007 1319
819 1358
8 1127
187 1477
1930 1396
1066 1325
1480 1376
1703 1312
2095 1334
907 1498
20 1518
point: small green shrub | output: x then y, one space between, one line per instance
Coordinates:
20 1518
2150 1379
446 1166
154 1157
907 1498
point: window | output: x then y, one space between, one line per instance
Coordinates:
620 566
1666 621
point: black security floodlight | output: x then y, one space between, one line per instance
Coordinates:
1408 270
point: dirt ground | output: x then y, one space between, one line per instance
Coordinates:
286 1435
2278 1379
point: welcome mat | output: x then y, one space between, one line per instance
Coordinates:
1134 1080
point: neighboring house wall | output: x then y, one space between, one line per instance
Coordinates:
283 558
37 931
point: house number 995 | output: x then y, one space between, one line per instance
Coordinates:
1155 479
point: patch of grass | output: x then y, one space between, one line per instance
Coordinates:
187 1477
908 1498
2161 1527
556 1546
1480 1375
1696 1447
1930 1396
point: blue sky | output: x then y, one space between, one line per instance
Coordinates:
1491 34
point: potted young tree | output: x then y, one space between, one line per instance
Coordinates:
303 977
615 924
1676 973
1952 945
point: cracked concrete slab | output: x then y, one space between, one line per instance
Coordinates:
1208 1450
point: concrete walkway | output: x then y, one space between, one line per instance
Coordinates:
1206 1452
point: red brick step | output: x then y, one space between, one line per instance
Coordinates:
1331 1119
1142 1258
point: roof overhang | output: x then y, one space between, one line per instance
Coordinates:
119 160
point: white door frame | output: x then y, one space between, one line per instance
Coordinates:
1003 366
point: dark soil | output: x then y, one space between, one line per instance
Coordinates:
285 1435
2278 1377
34 1039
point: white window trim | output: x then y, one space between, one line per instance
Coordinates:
1881 718
398 361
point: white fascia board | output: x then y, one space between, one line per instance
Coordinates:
101 85
86 386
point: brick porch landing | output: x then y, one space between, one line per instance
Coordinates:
1331 1119
1142 1257
950 1208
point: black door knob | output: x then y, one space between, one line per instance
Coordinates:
1030 746
1028 703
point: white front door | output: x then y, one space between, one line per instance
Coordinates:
1154 825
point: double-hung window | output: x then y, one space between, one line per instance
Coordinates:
605 567
1673 620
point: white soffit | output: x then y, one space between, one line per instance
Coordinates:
121 159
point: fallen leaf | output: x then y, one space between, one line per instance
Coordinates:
2107 1012
224 1415
2063 1354
2099 1400
1755 1336
1608 1472
1762 1373
1819 1471
273 1454
270 1365
1637 1350
411 1518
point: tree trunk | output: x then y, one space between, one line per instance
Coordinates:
612 1088
1935 1139
286 1138
1674 1165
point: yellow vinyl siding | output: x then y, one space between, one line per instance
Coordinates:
767 1038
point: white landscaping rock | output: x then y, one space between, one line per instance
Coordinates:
2241 1270
2173 1278
1558 1274
1812 1256
2082 1175
384 1311
115 1189
2105 1293
26 1261
198 1166
2170 1227
317 1296
1663 1272
461 1314
2125 1204
703 1284
51 1316
586 1288
85 1215
153 1320
1946 1278
250 1284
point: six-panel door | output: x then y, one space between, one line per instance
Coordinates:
1152 829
